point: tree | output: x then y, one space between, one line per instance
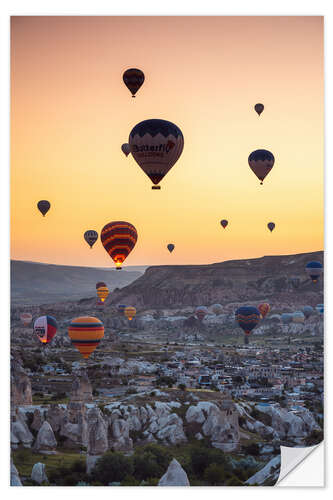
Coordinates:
214 474
151 461
112 467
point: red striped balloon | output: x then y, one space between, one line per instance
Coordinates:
119 239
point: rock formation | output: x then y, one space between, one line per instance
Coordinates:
20 433
174 476
268 474
20 386
81 388
38 473
14 475
45 442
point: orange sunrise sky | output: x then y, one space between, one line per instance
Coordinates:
71 112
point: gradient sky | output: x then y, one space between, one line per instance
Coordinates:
70 113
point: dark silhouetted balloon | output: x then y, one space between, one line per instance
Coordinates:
43 206
119 239
224 223
259 108
156 145
126 149
133 79
99 284
91 237
271 226
314 269
261 163
171 247
248 318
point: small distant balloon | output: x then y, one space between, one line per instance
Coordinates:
201 312
121 308
261 163
314 269
248 318
43 206
99 284
171 247
91 237
307 311
271 226
286 318
264 309
130 312
320 308
126 149
217 309
298 317
26 318
102 293
259 108
224 223
133 79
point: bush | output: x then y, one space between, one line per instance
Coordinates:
214 474
252 449
70 476
112 467
151 461
201 457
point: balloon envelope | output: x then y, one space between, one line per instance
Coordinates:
130 312
170 247
286 318
99 284
91 237
201 312
261 163
224 223
320 308
119 239
43 206
217 309
121 308
86 333
26 318
133 79
248 318
271 226
126 149
314 269
102 293
307 311
156 145
298 317
259 108
45 327
264 309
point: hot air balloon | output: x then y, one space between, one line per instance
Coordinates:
259 108
314 269
170 247
224 223
121 308
26 318
156 145
99 284
126 149
298 317
133 79
261 163
45 327
91 237
85 333
307 311
248 318
201 312
320 308
217 309
271 226
43 206
130 312
102 293
264 309
119 239
286 318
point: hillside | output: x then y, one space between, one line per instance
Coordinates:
281 278
37 283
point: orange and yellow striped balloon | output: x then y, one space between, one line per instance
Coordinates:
264 309
102 293
85 333
130 312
